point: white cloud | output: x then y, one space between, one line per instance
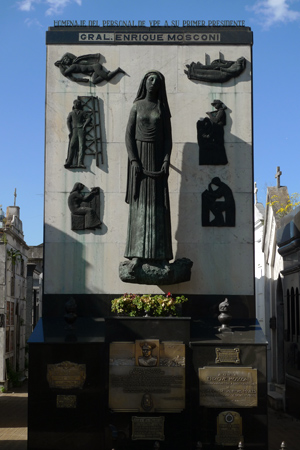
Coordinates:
27 5
33 22
57 6
274 11
53 6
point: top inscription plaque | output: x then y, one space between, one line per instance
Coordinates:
149 36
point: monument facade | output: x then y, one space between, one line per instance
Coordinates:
188 215
148 189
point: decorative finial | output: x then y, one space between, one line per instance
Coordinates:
71 312
278 173
240 446
224 318
283 446
15 195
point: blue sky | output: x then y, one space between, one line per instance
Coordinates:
276 85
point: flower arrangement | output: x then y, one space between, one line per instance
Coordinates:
134 305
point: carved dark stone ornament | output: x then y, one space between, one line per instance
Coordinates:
85 208
71 312
219 71
210 135
71 66
84 133
149 144
218 205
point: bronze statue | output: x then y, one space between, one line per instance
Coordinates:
90 65
77 122
218 71
149 144
85 209
210 134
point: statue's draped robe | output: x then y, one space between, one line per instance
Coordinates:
149 141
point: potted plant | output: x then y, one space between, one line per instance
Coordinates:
158 305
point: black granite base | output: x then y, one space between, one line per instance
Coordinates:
91 425
66 428
246 338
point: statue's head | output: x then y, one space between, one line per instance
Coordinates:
77 104
216 181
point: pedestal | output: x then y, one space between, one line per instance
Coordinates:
229 385
67 377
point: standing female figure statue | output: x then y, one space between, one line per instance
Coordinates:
149 144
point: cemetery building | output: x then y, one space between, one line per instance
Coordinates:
277 294
34 287
272 297
288 293
13 260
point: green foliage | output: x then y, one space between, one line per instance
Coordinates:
14 255
154 305
2 389
285 208
3 238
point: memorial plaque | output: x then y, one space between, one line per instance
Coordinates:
148 428
228 387
147 376
66 401
229 428
227 355
66 375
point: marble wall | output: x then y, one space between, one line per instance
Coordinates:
87 262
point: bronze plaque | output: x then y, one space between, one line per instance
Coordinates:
227 355
66 375
229 428
148 428
66 401
147 376
227 387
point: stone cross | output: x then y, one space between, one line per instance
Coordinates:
278 173
15 195
255 192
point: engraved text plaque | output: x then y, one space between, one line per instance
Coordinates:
229 428
148 428
226 387
228 355
66 375
66 401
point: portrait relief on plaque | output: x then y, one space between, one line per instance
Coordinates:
147 376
